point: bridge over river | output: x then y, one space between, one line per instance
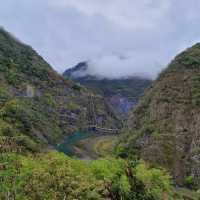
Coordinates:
95 126
103 130
92 130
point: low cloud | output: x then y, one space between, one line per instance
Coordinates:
114 66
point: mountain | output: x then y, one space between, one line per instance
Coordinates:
122 94
164 129
38 108
37 105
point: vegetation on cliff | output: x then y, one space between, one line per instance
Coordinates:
38 105
164 128
37 109
121 93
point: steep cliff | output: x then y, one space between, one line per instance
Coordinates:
121 93
164 129
37 105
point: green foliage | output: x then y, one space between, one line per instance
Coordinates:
34 98
156 181
127 146
125 87
72 106
186 194
196 90
77 87
105 169
50 176
10 180
25 117
6 129
131 180
121 151
4 94
56 176
18 61
16 112
48 100
189 182
30 144
189 58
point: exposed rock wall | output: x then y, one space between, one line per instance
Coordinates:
165 126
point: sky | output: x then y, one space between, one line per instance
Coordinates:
118 38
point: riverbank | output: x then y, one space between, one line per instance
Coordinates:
88 145
96 146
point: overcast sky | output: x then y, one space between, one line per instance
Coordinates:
117 37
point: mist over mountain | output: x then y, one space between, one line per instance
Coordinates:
122 93
36 103
118 67
164 129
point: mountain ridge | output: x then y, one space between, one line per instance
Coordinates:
121 93
38 103
164 128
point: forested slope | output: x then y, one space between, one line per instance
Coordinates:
164 129
37 105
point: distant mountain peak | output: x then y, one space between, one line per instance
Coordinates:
78 71
81 66
122 93
83 71
37 104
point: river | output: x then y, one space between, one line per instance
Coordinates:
68 144
87 145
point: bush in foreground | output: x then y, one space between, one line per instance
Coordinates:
54 176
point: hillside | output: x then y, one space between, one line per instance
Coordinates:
39 107
164 129
122 93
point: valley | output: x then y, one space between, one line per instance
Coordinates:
88 146
121 94
97 139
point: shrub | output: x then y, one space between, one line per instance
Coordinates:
50 176
56 176
77 87
72 106
189 182
4 95
156 181
48 100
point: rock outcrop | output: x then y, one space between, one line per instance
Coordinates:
39 105
121 93
165 126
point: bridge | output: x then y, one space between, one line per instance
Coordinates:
103 130
95 127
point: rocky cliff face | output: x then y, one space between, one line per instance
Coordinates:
38 106
122 93
165 126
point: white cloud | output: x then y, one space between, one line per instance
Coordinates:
115 67
131 14
148 33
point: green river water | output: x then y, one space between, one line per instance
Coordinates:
67 145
